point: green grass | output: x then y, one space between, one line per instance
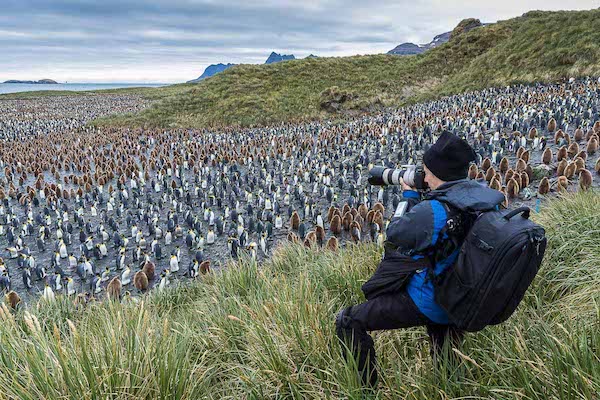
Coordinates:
539 46
253 332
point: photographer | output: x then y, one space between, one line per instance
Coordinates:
401 292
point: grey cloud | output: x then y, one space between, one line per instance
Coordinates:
174 40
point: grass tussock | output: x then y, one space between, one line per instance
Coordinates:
538 46
268 332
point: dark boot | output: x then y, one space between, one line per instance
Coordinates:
354 337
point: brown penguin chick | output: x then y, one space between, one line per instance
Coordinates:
113 289
520 151
597 166
378 219
592 146
370 216
295 221
359 220
521 165
512 188
498 177
12 299
332 244
205 266
311 239
362 210
292 237
346 209
562 165
578 136
80 301
551 125
347 221
573 149
585 179
320 232
480 176
583 155
561 153
558 136
355 230
489 174
580 163
596 127
504 165
547 156
570 170
379 207
473 171
336 225
525 156
544 187
532 133
505 203
495 184
140 281
524 180
149 269
562 183
330 212
486 164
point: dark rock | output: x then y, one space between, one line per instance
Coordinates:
275 58
211 70
332 99
40 82
465 26
406 49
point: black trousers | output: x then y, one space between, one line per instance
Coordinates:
388 311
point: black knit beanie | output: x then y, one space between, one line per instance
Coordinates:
449 157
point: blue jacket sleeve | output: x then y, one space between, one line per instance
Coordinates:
414 230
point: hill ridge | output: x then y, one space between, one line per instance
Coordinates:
524 49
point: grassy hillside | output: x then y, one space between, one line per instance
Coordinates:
268 332
539 46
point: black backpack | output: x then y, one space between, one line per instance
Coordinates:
499 256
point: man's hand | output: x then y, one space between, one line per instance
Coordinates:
405 186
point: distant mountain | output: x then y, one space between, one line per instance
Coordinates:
40 82
212 70
410 48
312 56
464 26
275 58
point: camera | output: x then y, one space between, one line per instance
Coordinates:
413 176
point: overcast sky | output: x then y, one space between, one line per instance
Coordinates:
174 40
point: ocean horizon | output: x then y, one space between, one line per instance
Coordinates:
75 87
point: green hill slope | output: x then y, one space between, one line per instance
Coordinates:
252 332
538 46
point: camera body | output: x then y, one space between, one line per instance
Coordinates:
413 175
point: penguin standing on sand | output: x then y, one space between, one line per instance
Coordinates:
174 263
126 276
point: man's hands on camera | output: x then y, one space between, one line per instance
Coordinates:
405 186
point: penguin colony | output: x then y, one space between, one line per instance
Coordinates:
113 213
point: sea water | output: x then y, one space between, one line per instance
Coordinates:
25 87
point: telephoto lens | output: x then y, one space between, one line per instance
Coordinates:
413 176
